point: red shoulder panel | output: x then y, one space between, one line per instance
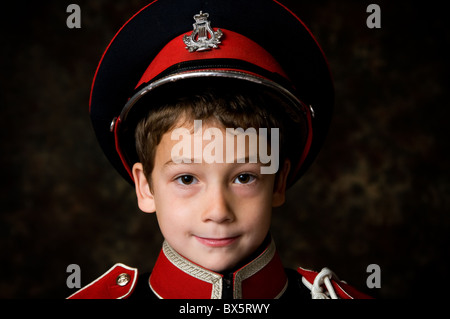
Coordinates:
117 283
342 289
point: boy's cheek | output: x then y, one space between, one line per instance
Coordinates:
176 193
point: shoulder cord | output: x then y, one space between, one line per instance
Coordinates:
323 278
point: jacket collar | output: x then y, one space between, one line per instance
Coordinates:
175 277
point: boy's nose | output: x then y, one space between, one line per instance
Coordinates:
218 208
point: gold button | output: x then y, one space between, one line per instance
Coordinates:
123 279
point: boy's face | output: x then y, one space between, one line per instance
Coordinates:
214 214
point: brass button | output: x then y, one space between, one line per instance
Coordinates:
123 279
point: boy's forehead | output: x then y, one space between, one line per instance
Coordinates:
219 145
196 137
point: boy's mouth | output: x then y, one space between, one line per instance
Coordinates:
217 242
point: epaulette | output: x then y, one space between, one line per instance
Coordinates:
120 280
326 285
117 283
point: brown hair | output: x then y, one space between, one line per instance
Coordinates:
241 106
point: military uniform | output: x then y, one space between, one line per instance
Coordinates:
175 277
170 43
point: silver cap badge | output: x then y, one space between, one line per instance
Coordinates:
203 37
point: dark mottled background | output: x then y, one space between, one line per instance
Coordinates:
378 192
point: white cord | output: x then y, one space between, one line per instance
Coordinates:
330 288
323 278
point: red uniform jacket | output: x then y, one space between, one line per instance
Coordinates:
175 277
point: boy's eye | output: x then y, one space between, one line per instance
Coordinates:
186 179
244 179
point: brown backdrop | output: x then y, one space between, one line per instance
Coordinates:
377 194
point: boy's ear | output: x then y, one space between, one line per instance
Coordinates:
279 190
145 198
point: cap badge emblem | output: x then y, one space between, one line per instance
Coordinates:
203 37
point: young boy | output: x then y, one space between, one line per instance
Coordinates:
211 136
